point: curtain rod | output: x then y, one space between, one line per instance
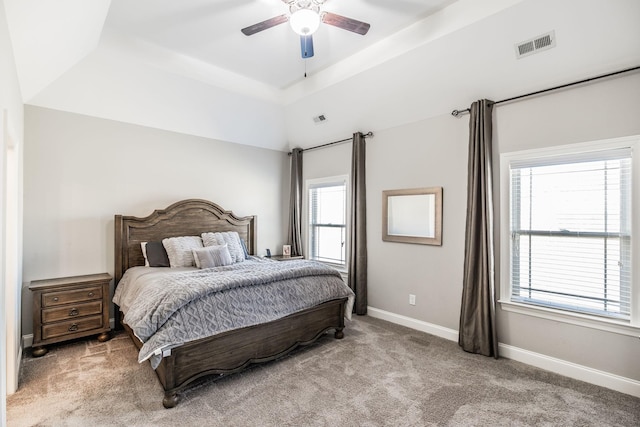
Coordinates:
366 135
457 113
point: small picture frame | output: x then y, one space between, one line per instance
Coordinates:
286 250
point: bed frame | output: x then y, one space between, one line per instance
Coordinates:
231 351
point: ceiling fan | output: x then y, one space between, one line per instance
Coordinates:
305 17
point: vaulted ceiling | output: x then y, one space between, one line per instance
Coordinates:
185 66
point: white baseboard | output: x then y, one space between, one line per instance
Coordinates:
12 385
27 340
552 364
571 370
409 322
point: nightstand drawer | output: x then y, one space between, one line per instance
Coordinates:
71 327
52 299
71 312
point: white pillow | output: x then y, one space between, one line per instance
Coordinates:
230 238
179 250
143 245
212 256
210 239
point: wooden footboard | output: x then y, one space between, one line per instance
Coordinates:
233 351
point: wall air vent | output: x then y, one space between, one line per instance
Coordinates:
535 45
319 119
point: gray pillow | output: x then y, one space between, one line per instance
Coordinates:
157 255
244 249
212 256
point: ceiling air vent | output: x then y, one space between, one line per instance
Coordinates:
535 45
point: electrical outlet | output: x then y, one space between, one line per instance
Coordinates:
412 299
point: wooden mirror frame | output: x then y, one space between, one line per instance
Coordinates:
436 239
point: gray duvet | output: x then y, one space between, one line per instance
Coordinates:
166 307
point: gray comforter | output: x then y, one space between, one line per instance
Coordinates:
166 307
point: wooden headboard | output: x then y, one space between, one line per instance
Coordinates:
185 218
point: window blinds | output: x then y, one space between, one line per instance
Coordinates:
327 222
570 232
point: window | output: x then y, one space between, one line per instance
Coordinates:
569 233
327 220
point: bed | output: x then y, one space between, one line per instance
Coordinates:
232 350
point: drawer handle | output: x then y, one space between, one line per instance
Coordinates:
73 312
55 299
73 327
90 294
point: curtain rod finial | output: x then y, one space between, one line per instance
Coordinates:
458 113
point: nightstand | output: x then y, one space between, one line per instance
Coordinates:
285 257
69 307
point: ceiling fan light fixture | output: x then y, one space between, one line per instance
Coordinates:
305 21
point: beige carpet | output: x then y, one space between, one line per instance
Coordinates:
380 374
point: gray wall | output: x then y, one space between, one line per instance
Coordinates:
430 153
433 152
80 171
423 154
602 110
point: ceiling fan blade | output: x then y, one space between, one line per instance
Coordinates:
264 25
306 46
345 23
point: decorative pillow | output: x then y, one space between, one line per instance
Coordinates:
230 238
211 239
156 255
244 249
212 256
143 245
179 250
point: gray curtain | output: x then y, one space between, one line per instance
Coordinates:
295 203
358 225
478 311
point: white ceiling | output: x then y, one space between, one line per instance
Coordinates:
209 31
184 65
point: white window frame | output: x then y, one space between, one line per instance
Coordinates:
307 220
629 327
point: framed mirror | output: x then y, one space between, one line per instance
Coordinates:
412 216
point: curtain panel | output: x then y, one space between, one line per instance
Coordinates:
358 225
295 203
477 315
